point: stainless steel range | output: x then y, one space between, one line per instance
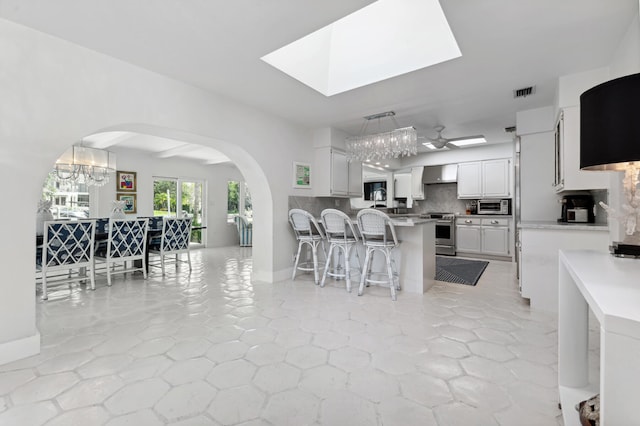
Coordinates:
445 232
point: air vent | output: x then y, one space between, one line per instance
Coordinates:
510 129
524 92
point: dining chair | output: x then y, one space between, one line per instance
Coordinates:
174 240
342 238
66 253
127 242
245 231
378 235
308 233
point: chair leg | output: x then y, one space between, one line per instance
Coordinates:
347 267
162 263
326 266
392 285
109 273
93 278
45 296
295 264
363 277
189 259
314 251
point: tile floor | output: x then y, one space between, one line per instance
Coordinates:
215 348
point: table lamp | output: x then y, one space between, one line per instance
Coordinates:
610 140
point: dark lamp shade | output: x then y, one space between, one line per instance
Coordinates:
610 124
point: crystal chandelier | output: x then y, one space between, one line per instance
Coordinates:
82 164
396 143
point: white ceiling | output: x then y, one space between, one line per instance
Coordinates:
217 45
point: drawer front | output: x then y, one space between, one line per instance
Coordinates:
461 221
495 222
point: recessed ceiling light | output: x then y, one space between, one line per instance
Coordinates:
382 40
468 141
386 165
377 163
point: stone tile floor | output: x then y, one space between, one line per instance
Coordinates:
215 348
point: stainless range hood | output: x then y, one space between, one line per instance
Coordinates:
446 173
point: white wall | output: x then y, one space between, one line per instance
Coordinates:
219 232
54 93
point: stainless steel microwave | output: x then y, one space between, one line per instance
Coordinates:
493 206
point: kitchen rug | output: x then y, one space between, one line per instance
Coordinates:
459 271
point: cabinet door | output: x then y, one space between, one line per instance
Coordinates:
417 187
402 185
469 182
495 240
355 179
572 177
495 178
468 238
339 173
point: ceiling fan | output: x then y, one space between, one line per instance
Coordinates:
439 142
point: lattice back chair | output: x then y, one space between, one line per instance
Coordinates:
175 239
341 235
127 243
245 231
67 253
378 234
308 232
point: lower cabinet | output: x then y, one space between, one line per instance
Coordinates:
483 236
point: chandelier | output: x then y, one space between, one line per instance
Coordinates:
86 165
400 142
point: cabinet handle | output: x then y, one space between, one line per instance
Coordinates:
494 222
468 221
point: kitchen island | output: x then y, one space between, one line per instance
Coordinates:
416 256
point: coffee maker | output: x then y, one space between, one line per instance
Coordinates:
577 208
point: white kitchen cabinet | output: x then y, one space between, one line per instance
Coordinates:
539 246
334 176
417 184
568 176
481 235
402 185
468 235
485 179
469 180
495 237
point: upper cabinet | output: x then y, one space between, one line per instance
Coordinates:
485 179
402 185
334 175
568 176
417 185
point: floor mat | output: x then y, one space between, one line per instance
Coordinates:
459 271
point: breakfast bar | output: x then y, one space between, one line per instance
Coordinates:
417 253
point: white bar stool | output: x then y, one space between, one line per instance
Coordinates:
378 234
308 232
341 235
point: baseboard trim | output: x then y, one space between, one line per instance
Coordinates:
19 349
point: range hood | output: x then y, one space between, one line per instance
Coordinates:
446 173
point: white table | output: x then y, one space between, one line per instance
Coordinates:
610 286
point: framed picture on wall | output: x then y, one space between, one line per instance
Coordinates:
130 202
301 175
126 181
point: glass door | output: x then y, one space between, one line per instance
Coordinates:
191 195
181 198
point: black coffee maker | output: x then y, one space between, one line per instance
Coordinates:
577 208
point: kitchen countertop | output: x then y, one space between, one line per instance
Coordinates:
485 216
550 224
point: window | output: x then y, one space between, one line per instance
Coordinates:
167 192
238 200
69 199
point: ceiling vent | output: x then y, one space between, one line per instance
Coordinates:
510 129
524 92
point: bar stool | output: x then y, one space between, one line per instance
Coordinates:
308 232
341 235
378 234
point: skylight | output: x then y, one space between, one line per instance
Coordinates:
383 40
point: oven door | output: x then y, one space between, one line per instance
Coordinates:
444 233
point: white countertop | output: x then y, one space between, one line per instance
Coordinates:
550 224
486 216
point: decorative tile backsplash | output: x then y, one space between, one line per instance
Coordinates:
315 205
442 197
